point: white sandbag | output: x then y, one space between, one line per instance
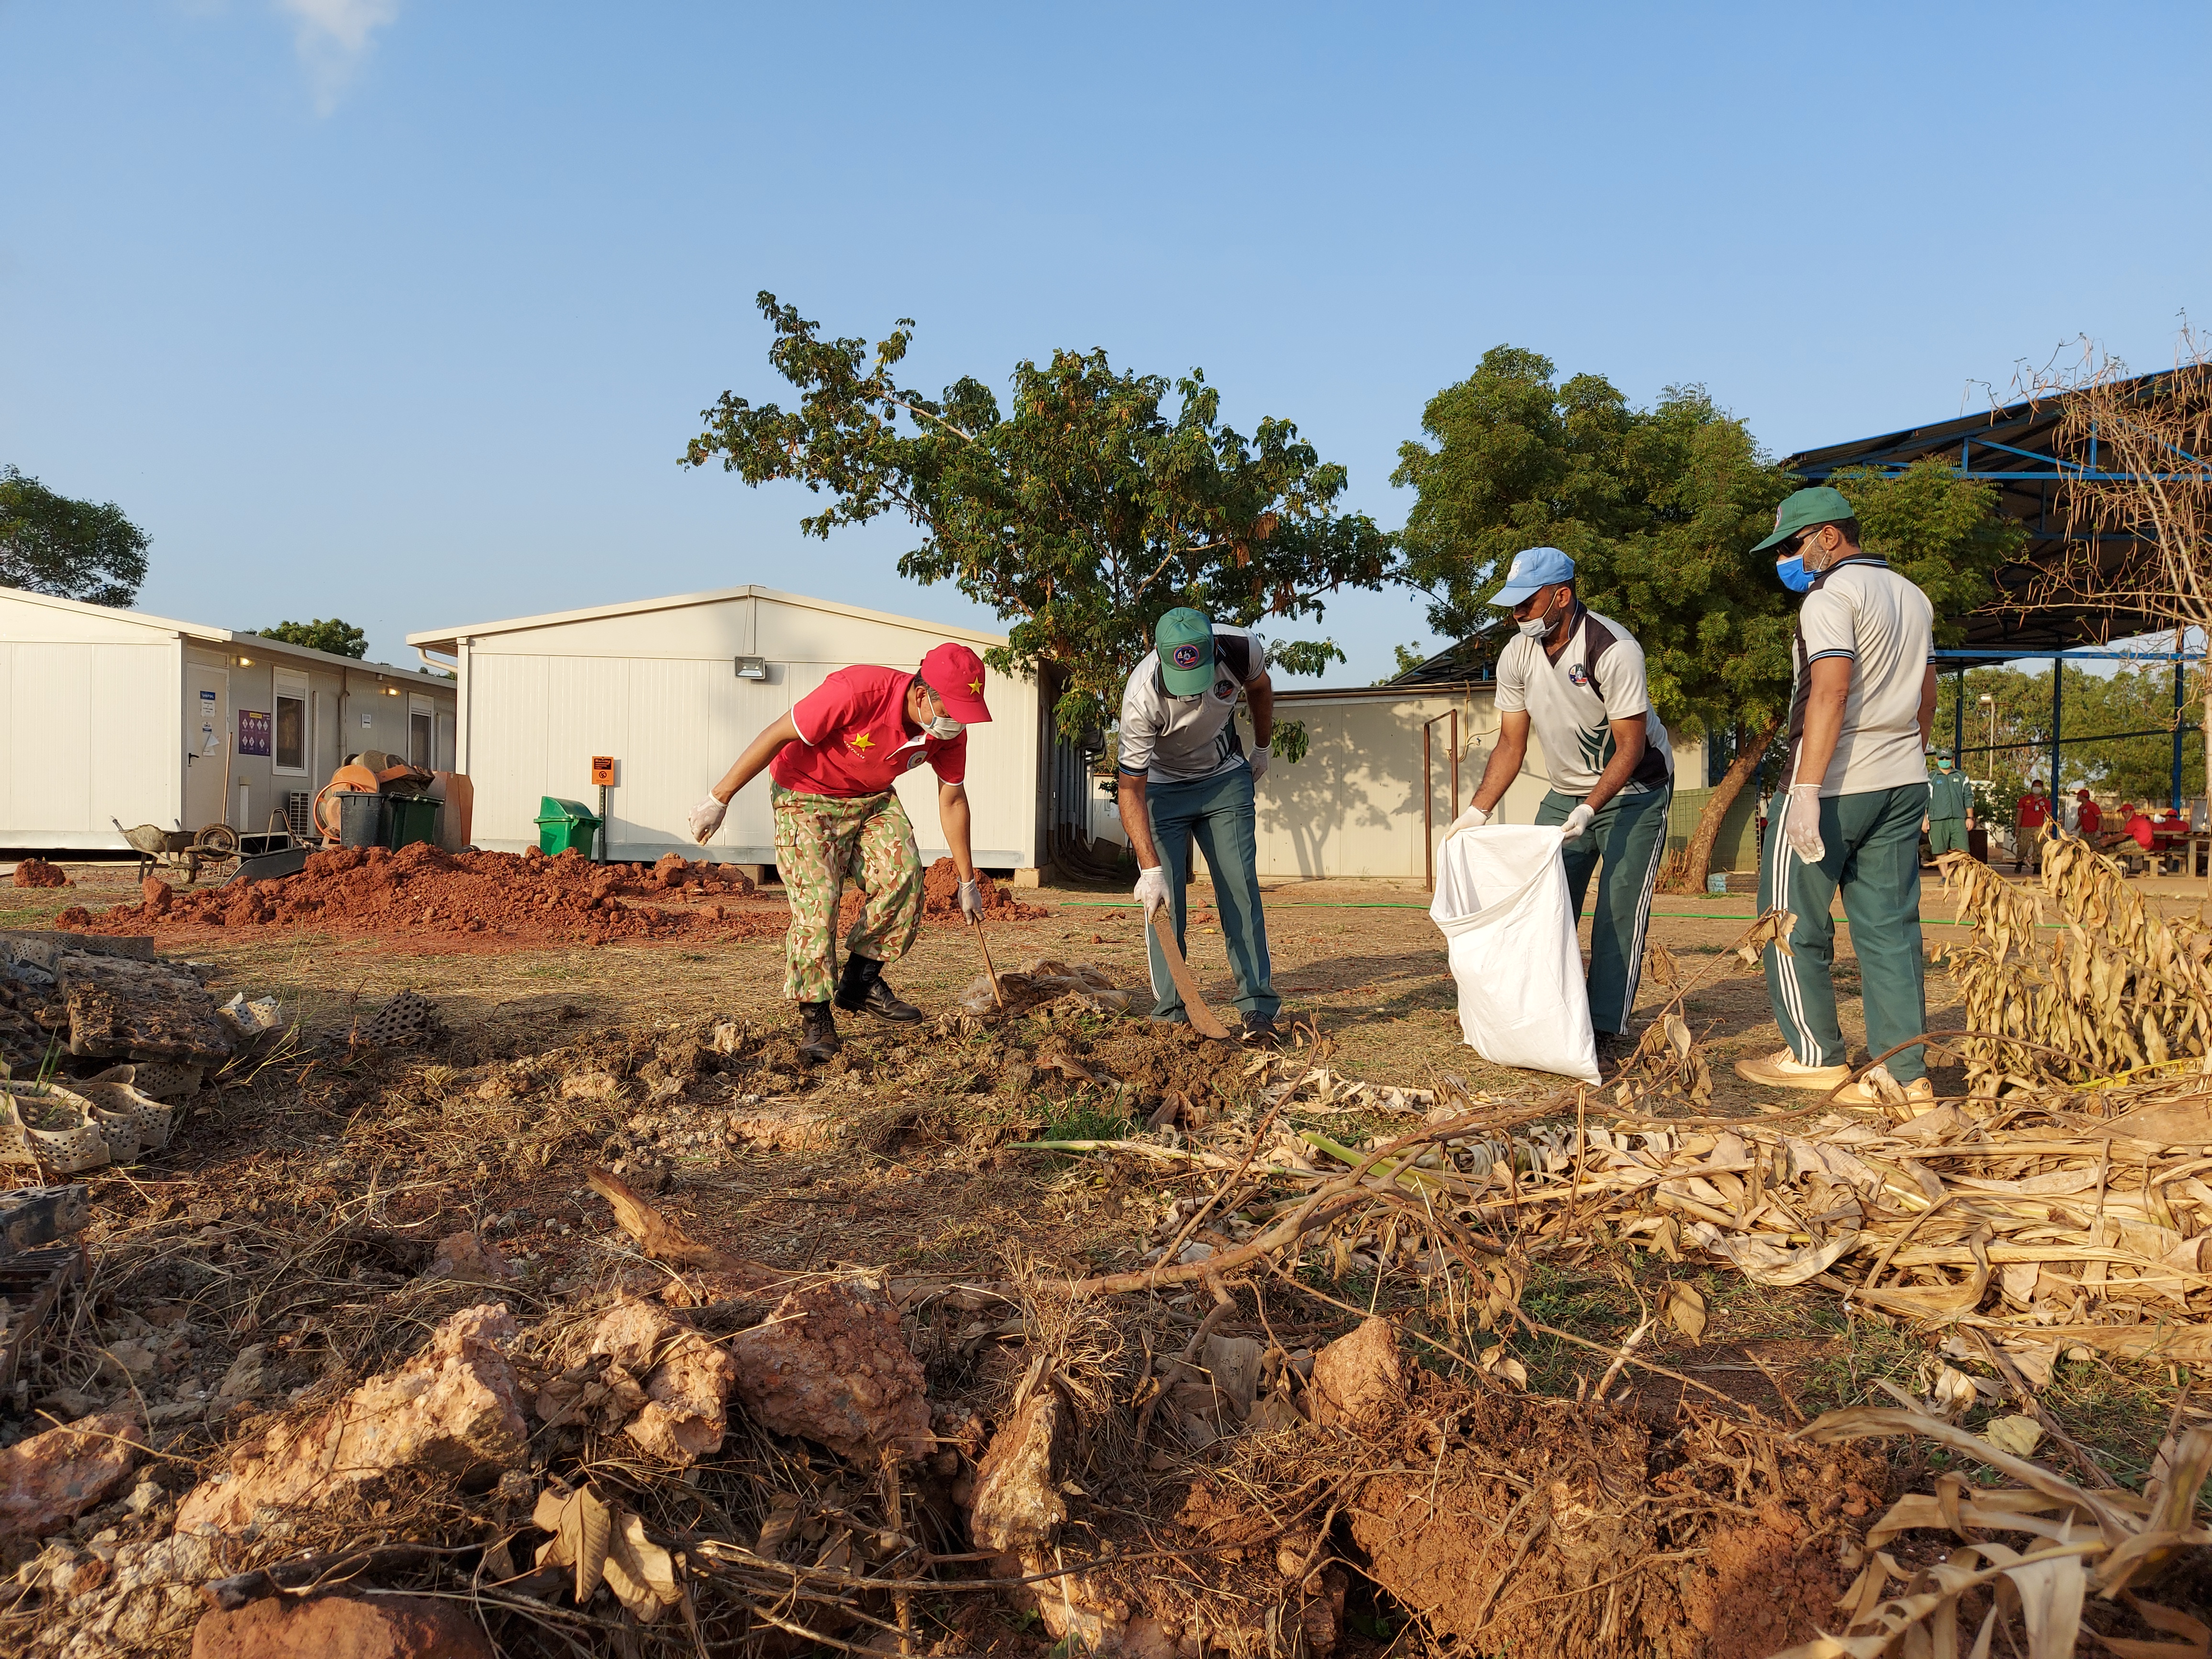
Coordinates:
1502 906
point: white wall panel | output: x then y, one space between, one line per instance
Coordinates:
138 725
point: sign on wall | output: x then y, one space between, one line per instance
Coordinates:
252 732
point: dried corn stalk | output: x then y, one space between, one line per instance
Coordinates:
2116 988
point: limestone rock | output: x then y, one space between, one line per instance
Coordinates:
466 1257
48 1480
1018 1497
340 1627
248 1376
1358 1380
686 1378
830 1366
453 1407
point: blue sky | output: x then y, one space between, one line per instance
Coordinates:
402 310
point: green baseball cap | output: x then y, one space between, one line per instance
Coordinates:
1185 639
1819 505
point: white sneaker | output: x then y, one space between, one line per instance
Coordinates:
1784 1070
1915 1097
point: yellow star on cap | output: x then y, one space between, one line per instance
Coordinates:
976 686
864 741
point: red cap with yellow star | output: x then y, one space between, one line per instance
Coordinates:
955 674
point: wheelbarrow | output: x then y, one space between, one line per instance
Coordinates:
179 849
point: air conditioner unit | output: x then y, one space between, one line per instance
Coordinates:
298 804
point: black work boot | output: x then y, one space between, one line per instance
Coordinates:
1260 1032
818 1037
861 989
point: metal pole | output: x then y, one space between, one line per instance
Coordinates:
2177 750
2058 714
2177 719
1958 722
1428 819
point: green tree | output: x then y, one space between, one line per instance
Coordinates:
340 639
1660 509
73 549
1080 513
2008 737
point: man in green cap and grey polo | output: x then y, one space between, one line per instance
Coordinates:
1184 776
1855 782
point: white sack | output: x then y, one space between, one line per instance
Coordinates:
1502 905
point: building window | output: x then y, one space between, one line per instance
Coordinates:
419 725
287 750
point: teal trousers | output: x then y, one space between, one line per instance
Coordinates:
1871 855
1629 836
1217 813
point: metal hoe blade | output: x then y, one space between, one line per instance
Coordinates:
1201 1017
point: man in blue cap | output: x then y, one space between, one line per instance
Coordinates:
1577 678
1183 775
1855 782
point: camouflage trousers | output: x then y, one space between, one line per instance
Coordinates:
820 841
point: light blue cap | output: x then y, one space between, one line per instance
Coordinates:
1538 567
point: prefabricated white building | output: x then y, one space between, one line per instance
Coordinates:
112 716
673 688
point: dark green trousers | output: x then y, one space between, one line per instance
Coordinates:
1629 836
1871 854
1217 813
1945 836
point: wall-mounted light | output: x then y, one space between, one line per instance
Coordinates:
752 668
246 662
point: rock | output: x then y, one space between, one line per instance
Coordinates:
468 1258
340 1627
248 1376
830 1364
144 1496
127 1362
1018 1497
67 1404
686 1378
48 1480
453 1408
1358 1380
37 872
785 1125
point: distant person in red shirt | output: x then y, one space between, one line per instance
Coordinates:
2141 827
2088 818
831 762
2034 811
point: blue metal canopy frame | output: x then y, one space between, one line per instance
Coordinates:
2014 448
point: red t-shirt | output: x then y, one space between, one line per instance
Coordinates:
854 740
2139 827
2033 810
2090 816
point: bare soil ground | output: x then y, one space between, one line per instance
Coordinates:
294 1207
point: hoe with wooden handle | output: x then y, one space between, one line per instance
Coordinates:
990 972
1202 1018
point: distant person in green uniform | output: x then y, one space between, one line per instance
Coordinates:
1950 813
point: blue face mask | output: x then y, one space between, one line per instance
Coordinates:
1793 575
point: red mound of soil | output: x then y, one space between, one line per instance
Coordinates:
502 896
940 900
37 872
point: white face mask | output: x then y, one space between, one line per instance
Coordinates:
944 728
1536 627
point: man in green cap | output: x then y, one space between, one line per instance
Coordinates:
1950 809
1856 784
1184 776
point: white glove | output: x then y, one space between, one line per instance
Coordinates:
1259 759
1473 819
971 899
705 818
1801 822
1578 822
1152 889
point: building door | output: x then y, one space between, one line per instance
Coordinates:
421 728
207 744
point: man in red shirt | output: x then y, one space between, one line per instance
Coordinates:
2089 817
2035 813
831 762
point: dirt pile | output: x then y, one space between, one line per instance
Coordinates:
503 898
37 872
940 900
